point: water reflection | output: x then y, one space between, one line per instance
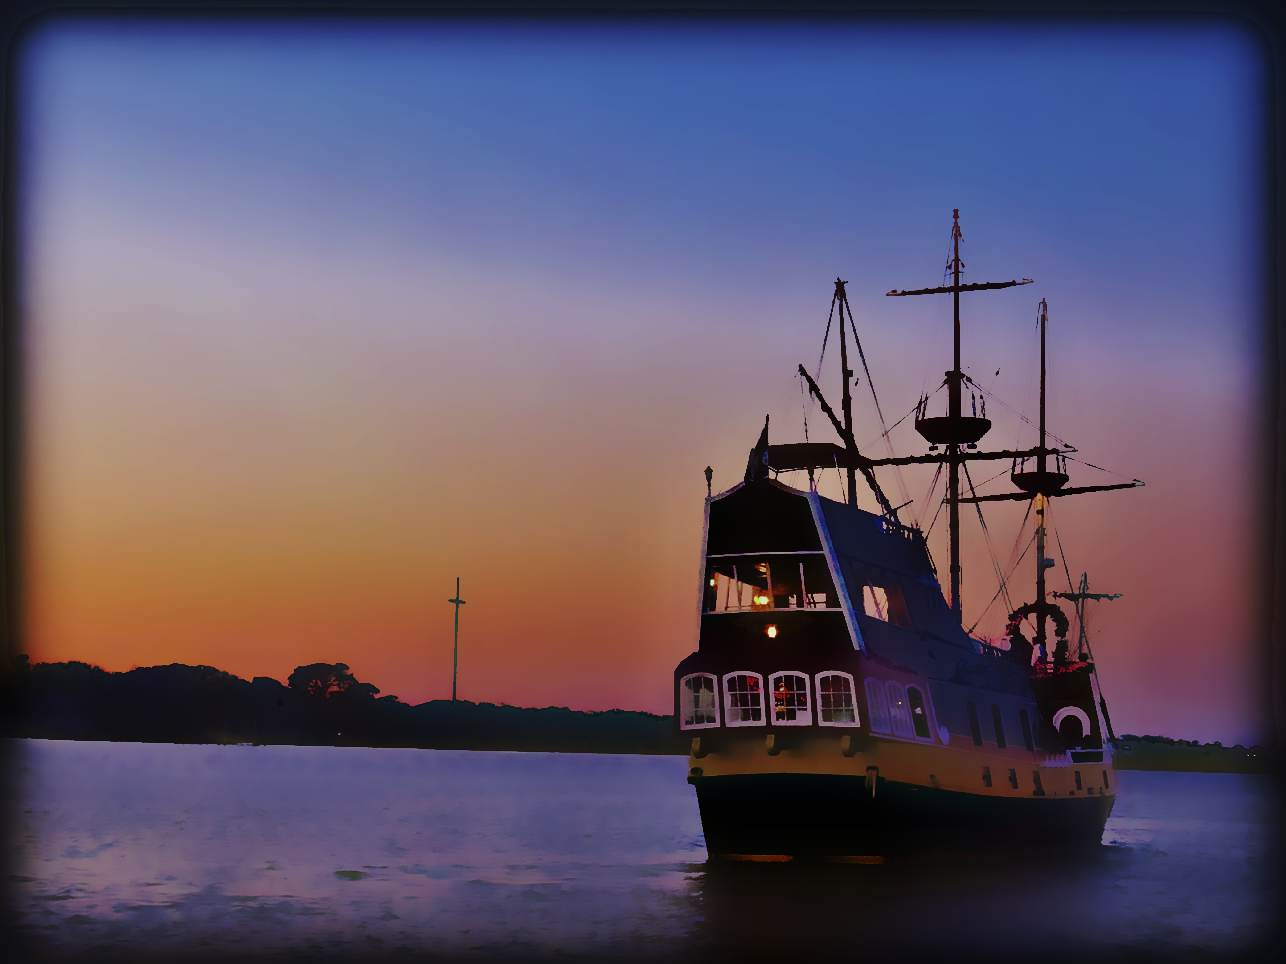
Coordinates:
165 851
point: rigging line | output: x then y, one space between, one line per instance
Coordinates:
1099 467
803 404
870 383
1071 587
891 427
1001 402
994 477
986 533
929 501
829 318
1013 563
1030 543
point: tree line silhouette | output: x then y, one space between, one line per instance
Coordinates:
320 704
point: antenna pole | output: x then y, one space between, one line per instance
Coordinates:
954 377
846 403
455 658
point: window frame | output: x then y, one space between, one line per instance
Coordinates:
852 692
806 712
727 696
928 714
714 680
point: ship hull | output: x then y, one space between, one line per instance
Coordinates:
836 816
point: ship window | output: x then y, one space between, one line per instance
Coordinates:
879 706
743 699
1105 786
1013 779
698 703
899 712
975 728
1025 720
836 705
767 581
986 776
919 719
790 701
999 724
1077 774
880 592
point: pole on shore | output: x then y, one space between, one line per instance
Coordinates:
455 657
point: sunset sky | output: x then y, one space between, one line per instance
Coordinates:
320 315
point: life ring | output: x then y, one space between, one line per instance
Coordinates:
1020 643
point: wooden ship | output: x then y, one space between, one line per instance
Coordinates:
836 707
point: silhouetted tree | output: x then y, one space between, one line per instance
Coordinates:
328 679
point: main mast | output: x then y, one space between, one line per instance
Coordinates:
956 430
954 378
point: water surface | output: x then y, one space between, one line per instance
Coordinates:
155 850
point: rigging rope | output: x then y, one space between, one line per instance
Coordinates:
870 383
1014 411
986 533
1030 542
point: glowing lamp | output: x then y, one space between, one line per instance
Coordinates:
772 632
761 600
714 582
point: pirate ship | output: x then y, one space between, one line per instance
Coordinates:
836 706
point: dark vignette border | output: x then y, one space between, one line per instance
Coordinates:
1264 20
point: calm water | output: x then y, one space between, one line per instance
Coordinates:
167 851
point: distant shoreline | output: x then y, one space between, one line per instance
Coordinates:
325 706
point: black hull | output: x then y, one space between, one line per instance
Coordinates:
827 815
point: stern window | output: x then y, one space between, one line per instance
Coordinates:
790 702
743 703
836 705
698 703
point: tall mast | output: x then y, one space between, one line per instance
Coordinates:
956 430
954 378
1040 496
846 403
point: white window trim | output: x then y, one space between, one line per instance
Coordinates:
714 680
807 712
727 710
852 689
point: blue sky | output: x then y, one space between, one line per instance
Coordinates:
328 311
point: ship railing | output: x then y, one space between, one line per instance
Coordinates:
1044 668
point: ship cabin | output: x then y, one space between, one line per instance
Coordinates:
818 617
